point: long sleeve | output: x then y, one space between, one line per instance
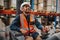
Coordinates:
15 26
38 25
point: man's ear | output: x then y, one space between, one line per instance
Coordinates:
21 9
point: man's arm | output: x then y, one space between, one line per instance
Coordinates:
38 25
15 26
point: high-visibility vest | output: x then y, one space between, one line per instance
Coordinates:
24 24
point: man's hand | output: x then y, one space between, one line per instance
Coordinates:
23 31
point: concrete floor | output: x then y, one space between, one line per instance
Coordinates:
3 29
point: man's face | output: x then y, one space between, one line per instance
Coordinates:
26 8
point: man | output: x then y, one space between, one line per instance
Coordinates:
24 23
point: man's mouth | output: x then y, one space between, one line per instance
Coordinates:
26 12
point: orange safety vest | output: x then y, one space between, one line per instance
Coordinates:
24 24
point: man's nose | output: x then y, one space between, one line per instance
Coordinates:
28 8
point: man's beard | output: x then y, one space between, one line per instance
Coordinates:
27 11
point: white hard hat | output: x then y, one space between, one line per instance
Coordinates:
28 3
